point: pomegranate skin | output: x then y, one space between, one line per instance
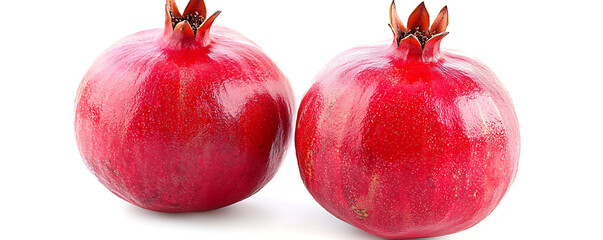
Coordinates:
404 142
174 123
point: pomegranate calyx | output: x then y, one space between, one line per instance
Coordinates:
195 16
418 25
194 20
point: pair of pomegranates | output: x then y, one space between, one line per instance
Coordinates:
400 140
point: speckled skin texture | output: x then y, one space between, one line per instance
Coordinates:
406 143
176 124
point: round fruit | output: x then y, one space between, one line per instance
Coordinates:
187 118
406 140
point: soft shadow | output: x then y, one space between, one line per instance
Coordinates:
279 217
320 218
366 235
238 212
447 237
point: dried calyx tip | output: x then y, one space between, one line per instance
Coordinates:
194 15
195 20
418 24
422 36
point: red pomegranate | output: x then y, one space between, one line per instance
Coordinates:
406 140
187 118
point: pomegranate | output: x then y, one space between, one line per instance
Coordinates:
191 117
407 140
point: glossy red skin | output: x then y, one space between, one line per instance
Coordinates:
403 145
173 126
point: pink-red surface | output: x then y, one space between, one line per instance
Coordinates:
176 122
405 142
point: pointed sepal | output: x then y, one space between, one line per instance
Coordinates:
196 7
203 31
183 32
440 23
413 43
172 9
431 50
396 24
419 19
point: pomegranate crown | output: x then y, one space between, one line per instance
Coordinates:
418 31
193 22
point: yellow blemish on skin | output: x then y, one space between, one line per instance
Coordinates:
368 199
483 118
309 163
373 186
361 213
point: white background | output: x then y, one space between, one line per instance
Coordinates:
547 54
